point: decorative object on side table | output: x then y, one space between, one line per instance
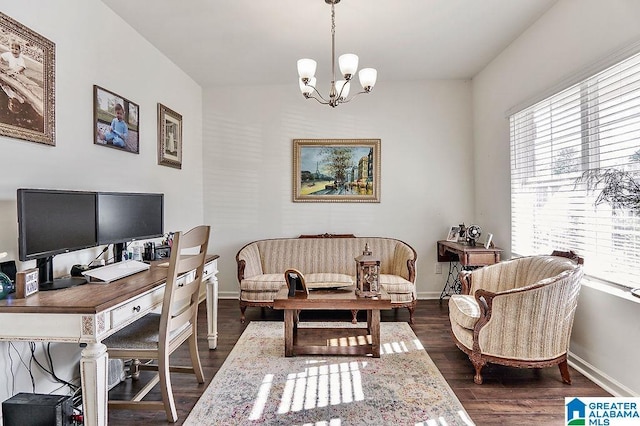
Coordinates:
367 274
488 241
473 234
462 233
452 235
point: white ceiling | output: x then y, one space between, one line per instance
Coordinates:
246 42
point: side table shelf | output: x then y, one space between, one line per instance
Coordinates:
463 257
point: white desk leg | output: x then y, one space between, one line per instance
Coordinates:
93 371
212 311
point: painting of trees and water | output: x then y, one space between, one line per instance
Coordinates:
337 170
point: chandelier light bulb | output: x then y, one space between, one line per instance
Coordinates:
306 68
368 77
348 65
342 88
307 89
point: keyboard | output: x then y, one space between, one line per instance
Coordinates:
115 271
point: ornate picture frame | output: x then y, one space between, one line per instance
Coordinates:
336 170
116 121
169 137
27 83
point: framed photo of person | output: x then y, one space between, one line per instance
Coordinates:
27 83
453 233
169 137
115 121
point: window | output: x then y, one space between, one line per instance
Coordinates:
594 124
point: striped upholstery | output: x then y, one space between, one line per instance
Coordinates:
323 261
531 315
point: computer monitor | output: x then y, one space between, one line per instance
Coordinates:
125 217
51 222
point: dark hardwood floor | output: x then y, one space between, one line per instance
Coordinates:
508 396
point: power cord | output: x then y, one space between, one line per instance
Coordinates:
28 367
32 346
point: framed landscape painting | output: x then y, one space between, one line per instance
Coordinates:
115 121
336 170
27 83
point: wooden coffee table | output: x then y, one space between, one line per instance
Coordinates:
331 299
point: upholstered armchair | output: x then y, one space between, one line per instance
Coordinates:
518 313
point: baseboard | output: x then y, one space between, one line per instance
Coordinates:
429 295
598 377
228 295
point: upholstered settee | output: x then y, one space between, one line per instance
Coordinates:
518 313
326 260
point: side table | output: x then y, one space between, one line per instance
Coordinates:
463 256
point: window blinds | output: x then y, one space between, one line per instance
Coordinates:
594 124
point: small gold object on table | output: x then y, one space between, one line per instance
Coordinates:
367 274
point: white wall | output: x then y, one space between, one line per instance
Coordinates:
572 35
425 129
94 46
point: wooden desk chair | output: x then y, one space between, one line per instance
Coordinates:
157 336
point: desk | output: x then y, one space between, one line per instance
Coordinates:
89 313
468 257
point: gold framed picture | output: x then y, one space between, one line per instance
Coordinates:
336 170
169 137
27 83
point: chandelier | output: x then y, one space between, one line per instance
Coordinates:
339 90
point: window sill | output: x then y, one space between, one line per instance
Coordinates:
612 289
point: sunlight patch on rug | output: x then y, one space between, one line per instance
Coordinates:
258 385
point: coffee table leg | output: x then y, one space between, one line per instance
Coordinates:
288 331
373 318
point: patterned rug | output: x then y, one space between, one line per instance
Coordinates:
258 385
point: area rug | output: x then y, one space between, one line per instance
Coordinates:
258 385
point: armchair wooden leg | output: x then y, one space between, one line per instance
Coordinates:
478 364
564 372
242 317
411 311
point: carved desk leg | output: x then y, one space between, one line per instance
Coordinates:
212 311
93 371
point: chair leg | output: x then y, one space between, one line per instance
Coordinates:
166 390
354 316
195 358
411 310
478 364
564 372
242 317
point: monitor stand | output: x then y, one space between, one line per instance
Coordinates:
47 282
60 283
